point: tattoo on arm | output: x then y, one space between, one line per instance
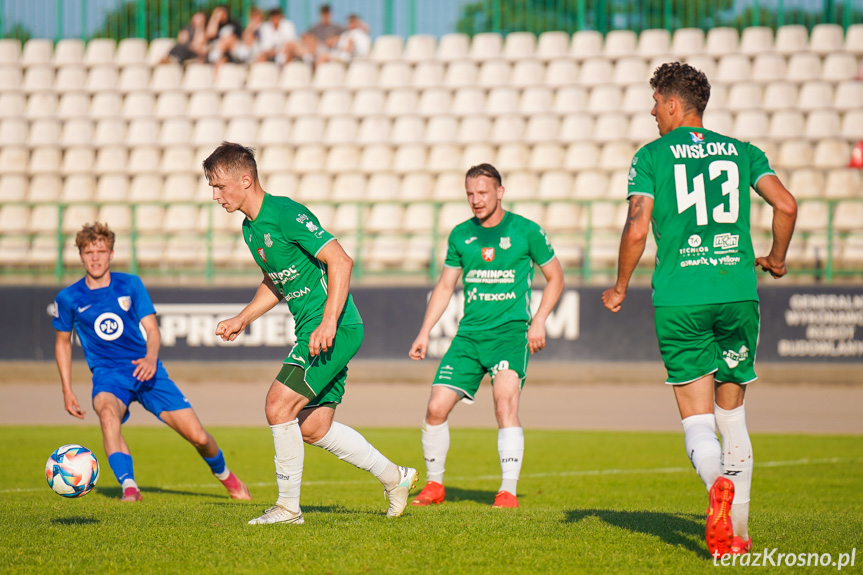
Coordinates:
636 208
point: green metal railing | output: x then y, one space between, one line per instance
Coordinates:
826 266
165 18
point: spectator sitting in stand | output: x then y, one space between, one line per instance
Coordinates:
354 42
191 41
277 39
226 35
322 37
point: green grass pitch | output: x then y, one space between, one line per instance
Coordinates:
591 502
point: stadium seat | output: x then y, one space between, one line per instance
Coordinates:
806 183
361 74
275 158
387 48
721 41
104 105
70 79
340 130
383 186
561 72
69 52
179 131
848 96
631 70
113 131
570 100
306 130
744 96
77 132
546 156
329 75
512 128
852 125
342 158
102 79
502 101
78 188
376 158
780 96
419 48
439 130
527 74
461 74
385 217
844 183
534 211
283 184
10 51
706 64
750 124
314 186
465 102
654 42
45 188
590 184
416 186
138 105
418 218
576 128
804 67
815 96
536 100
410 158
822 124
610 127
37 51
395 74
826 39
620 44
428 75
494 73
519 186
474 154
263 76
11 80
444 157
831 153
795 154
268 102
786 124
431 102
44 106
133 79
616 155
596 71
301 103
75 215
13 104
839 67
453 47
687 42
519 46
15 159
76 160
334 103
13 131
733 68
13 220
166 77
485 46
199 77
374 130
345 187
552 45
581 156
511 155
230 77
553 185
718 121
38 79
368 102
854 39
112 188
179 159
586 44
756 40
768 68
158 50
811 216
13 187
144 160
44 132
295 75
242 130
235 104
309 158
131 51
638 99
605 98
410 129
791 39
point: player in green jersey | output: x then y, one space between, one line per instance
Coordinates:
694 185
494 253
304 265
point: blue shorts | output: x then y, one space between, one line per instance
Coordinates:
156 395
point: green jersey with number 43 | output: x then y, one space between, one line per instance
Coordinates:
497 269
699 181
285 239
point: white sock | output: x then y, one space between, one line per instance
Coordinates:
127 483
223 475
435 440
702 446
510 446
736 463
348 445
290 451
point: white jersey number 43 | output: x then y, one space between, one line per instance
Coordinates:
697 198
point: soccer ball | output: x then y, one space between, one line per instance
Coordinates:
72 471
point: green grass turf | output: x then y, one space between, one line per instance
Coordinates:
591 502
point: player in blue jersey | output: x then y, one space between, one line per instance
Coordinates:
110 313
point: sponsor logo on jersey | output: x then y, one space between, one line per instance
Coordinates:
320 233
83 309
703 150
488 254
268 241
696 262
505 243
284 276
490 276
298 358
296 294
632 174
726 241
733 358
124 301
714 262
302 218
694 240
312 227
262 254
470 239
108 326
470 295
729 260
697 137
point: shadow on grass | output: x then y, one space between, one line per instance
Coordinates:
454 494
683 529
117 493
74 521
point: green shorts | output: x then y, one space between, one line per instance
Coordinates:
695 341
324 375
471 355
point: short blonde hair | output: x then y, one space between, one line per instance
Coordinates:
94 233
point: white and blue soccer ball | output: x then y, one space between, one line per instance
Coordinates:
72 471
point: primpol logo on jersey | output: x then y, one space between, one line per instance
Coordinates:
108 326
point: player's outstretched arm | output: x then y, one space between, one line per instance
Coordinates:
339 267
631 247
553 273
265 299
437 304
145 367
63 354
784 217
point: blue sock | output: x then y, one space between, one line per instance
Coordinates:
216 463
121 465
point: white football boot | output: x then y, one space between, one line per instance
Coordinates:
279 514
398 495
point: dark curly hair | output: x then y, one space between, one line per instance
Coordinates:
683 81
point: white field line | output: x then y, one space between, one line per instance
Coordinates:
578 473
